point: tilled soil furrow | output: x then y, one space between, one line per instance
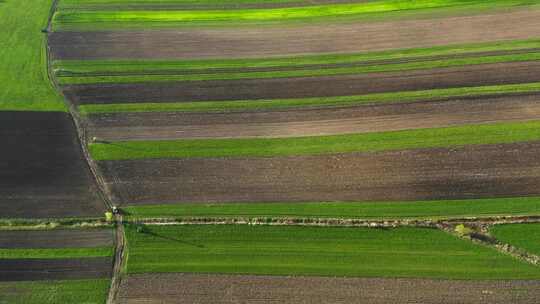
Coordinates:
311 122
470 172
304 87
72 238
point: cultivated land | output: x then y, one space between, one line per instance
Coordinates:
242 249
281 110
204 288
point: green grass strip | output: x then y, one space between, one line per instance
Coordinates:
524 236
23 75
368 142
54 253
317 251
79 19
355 210
398 67
92 291
274 104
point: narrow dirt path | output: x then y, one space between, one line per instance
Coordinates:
102 188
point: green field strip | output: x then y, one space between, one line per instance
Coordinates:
238 75
54 253
93 20
93 291
23 62
459 136
436 209
523 236
320 251
339 101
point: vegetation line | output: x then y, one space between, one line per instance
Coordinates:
497 133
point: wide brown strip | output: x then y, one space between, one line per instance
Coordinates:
470 172
72 238
311 122
273 88
251 41
248 289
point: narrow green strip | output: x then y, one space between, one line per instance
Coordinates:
369 142
355 210
55 253
399 67
269 104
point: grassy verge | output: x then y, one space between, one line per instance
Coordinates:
23 75
88 20
369 142
524 236
55 253
54 292
403 252
339 101
360 210
73 4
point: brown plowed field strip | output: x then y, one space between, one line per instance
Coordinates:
309 122
194 288
301 39
477 75
72 238
469 172
43 173
54 269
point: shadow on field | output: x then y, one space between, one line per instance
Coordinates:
168 238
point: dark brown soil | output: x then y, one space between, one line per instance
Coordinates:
255 41
54 269
194 288
72 238
469 172
477 75
308 122
43 173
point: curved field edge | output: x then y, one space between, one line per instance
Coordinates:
53 292
522 236
23 60
73 20
496 133
317 251
339 101
436 209
158 76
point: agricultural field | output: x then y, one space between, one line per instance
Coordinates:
259 151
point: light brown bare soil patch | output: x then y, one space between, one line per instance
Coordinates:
476 75
310 122
195 288
253 41
469 172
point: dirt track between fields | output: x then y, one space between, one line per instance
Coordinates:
54 269
194 288
252 41
310 122
72 238
477 75
43 173
470 172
